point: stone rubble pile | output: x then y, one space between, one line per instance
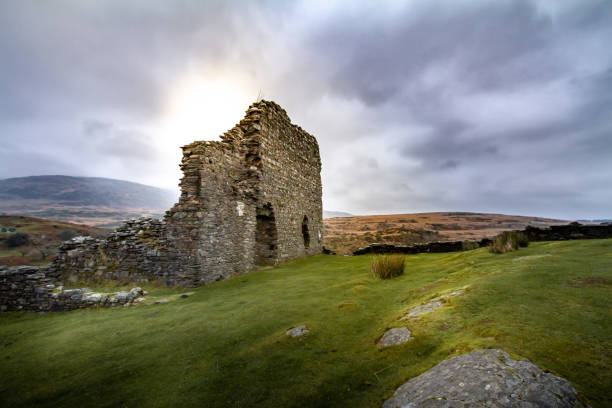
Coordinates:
81 298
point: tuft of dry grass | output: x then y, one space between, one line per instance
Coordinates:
387 266
508 241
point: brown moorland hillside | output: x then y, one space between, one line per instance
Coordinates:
346 234
44 238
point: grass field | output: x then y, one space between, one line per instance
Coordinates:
226 346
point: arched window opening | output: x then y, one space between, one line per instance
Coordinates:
305 233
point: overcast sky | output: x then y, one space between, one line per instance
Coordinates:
487 106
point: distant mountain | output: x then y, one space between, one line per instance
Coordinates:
88 200
334 214
79 191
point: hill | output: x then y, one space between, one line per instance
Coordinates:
44 237
334 214
350 233
90 200
226 344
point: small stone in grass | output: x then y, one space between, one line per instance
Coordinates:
297 331
394 337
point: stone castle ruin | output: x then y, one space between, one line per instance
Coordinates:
251 199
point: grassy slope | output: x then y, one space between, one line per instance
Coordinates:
225 346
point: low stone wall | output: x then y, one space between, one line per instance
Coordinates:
29 288
570 231
553 233
431 247
138 251
25 288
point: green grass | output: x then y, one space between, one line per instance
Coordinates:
225 346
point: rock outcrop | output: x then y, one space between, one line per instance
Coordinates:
488 378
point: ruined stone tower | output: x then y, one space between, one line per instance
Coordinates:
251 199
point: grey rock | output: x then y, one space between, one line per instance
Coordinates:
137 291
394 337
485 378
186 294
121 296
421 309
297 331
94 297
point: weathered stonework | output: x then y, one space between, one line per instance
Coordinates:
251 199
29 288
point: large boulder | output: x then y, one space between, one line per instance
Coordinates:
485 378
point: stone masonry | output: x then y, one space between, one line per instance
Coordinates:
29 288
252 198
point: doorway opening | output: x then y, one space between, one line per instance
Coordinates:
266 236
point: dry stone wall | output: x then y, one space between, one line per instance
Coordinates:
29 288
138 251
251 199
571 231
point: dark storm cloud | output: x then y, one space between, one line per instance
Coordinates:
418 106
103 53
489 46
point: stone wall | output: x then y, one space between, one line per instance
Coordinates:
553 233
29 288
24 288
291 184
251 199
138 251
430 247
570 231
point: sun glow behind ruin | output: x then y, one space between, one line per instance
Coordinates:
199 108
